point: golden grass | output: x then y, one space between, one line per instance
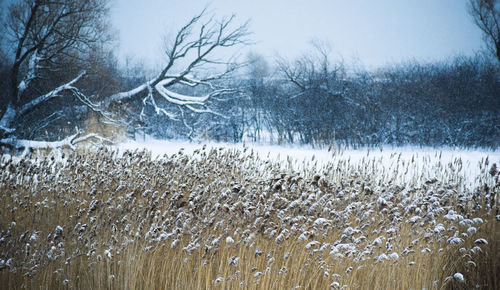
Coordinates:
130 222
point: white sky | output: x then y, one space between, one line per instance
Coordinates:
374 33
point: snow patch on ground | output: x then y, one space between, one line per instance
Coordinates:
281 152
403 164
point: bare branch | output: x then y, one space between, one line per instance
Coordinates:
194 51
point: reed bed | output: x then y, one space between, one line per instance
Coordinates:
225 218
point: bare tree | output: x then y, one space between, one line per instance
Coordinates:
44 31
189 55
41 35
486 15
313 71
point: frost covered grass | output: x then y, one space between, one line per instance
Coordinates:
229 218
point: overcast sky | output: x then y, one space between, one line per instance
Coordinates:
374 33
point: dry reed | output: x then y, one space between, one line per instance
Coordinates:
223 218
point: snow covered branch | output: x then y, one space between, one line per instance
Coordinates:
68 142
11 113
49 35
52 94
193 50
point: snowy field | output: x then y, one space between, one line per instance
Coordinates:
408 164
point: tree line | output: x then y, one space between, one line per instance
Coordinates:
58 69
312 101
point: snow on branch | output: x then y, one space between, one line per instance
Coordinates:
12 113
157 109
52 94
118 97
30 74
91 136
85 100
179 99
68 142
7 118
192 49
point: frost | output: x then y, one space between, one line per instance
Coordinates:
452 216
481 241
439 228
108 254
51 253
476 249
217 281
394 256
34 236
58 232
312 244
459 277
381 202
233 261
236 209
282 236
413 219
303 237
454 241
321 222
471 230
378 241
258 252
342 249
465 222
390 231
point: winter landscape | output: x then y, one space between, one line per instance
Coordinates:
221 167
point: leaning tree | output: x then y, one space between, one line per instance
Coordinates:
43 34
40 39
191 54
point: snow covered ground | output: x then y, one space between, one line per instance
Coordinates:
406 164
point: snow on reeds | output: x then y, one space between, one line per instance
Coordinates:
229 218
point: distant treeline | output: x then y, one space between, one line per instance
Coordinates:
312 101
